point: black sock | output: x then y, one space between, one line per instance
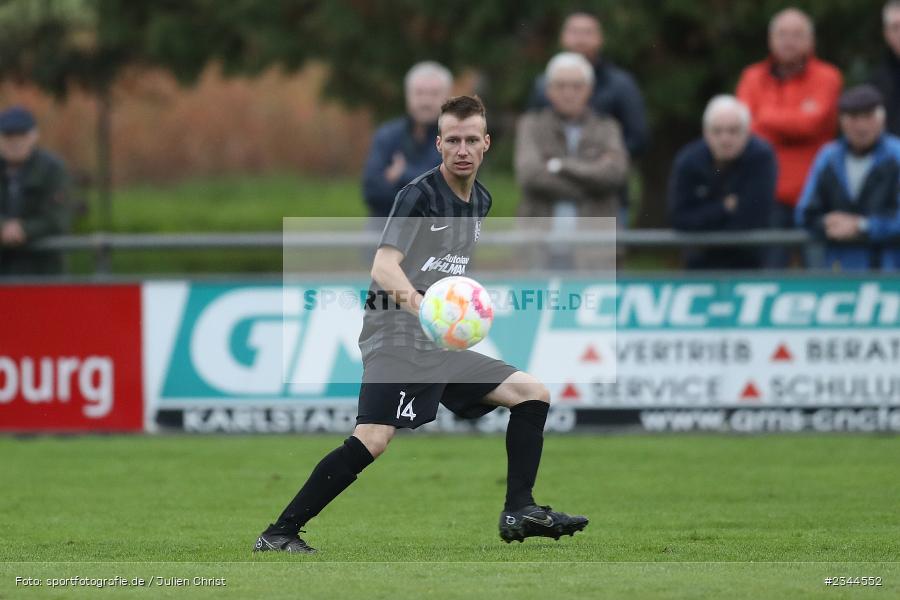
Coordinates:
524 443
332 475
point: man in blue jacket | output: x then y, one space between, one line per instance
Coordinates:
850 197
404 148
724 181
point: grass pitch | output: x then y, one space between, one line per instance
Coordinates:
671 517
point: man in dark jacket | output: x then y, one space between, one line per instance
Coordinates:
723 182
615 92
887 77
34 190
404 148
850 198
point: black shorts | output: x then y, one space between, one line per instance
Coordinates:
403 387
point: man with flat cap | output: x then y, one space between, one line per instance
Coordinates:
34 193
850 196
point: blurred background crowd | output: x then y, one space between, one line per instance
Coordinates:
692 115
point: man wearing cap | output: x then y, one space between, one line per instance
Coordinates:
850 197
33 197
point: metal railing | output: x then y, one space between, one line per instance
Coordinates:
102 245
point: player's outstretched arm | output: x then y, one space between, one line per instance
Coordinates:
387 273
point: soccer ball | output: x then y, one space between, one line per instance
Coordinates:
456 313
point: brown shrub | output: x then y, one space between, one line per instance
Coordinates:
164 132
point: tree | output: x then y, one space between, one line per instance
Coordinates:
60 44
57 44
681 51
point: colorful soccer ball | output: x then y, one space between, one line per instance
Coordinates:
456 313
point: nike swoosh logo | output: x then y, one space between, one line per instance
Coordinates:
546 521
433 228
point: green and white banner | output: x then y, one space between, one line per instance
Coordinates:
284 357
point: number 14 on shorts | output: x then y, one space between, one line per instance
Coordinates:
405 411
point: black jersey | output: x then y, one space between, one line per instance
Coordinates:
436 231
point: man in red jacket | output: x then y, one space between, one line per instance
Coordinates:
792 97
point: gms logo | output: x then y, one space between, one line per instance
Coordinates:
253 343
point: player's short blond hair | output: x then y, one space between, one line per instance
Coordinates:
463 107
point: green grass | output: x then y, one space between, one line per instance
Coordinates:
252 203
672 517
234 204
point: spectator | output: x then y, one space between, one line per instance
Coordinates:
569 161
792 96
724 181
404 148
615 92
566 154
34 192
887 77
850 198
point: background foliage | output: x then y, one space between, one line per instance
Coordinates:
681 51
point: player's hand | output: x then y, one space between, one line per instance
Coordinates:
12 233
415 301
396 168
842 226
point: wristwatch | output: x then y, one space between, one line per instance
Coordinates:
863 225
554 165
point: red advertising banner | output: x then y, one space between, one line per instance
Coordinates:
70 358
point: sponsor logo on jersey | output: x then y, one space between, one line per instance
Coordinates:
452 264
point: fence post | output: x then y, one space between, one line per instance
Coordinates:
102 255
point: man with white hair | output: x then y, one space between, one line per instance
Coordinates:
851 197
724 181
792 96
569 161
566 153
404 148
887 77
614 91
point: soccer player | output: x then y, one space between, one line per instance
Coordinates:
432 229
